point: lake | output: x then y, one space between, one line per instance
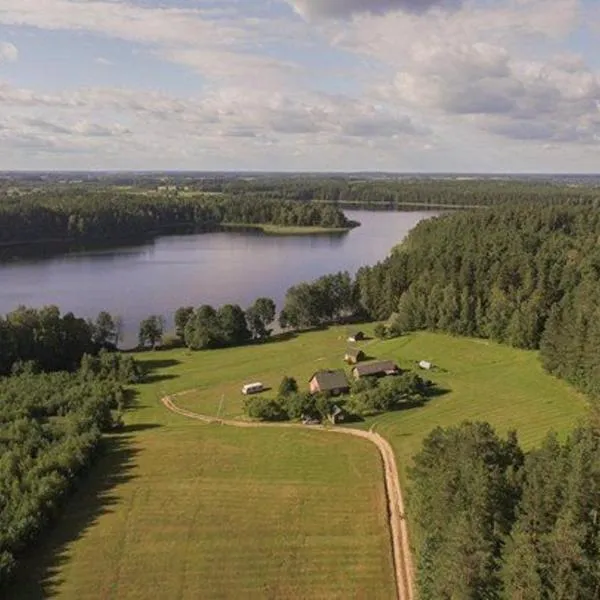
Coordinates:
210 268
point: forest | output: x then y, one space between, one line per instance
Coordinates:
51 427
45 340
495 522
389 193
528 276
62 389
87 215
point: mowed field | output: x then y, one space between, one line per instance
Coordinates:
180 509
480 380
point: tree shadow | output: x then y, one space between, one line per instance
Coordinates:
93 495
285 336
436 392
157 378
158 363
149 368
350 419
367 358
432 392
135 428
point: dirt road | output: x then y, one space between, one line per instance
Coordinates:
398 529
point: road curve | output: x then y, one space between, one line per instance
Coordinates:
403 568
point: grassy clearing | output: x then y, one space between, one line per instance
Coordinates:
178 509
484 381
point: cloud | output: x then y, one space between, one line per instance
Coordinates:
311 9
8 52
216 43
555 100
225 112
100 60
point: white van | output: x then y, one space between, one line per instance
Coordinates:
252 388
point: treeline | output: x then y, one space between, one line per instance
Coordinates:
496 523
45 340
390 193
206 328
50 430
88 216
325 300
528 276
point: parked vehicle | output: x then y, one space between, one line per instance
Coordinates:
252 388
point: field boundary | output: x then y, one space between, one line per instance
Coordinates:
402 559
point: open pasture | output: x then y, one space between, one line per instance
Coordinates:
179 509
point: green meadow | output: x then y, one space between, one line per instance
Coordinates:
179 509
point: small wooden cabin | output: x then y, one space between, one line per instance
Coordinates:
376 369
354 356
359 336
333 382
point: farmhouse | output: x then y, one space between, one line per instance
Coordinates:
334 382
354 356
357 337
376 369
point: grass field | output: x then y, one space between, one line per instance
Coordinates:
178 509
483 380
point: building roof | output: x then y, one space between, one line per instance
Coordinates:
331 380
354 352
376 368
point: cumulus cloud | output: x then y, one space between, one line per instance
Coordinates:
346 8
8 52
227 112
216 43
555 100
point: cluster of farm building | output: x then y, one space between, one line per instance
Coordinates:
335 383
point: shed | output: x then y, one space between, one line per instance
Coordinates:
425 364
337 414
354 355
376 369
359 336
334 382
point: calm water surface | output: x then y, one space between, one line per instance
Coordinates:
210 268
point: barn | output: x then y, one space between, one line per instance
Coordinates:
376 369
332 382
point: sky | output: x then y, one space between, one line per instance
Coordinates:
492 86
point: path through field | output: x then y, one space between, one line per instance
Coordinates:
398 528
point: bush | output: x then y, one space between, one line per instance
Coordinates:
296 405
287 386
380 331
264 409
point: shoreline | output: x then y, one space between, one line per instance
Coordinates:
286 230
